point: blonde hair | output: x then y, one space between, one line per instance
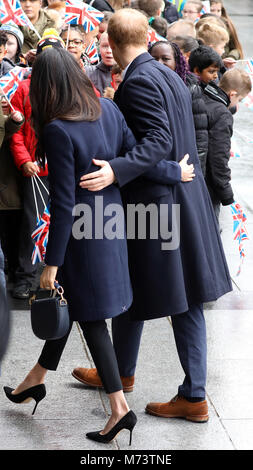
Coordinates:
210 19
128 27
181 27
212 34
236 80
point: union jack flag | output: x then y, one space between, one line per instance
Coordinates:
10 81
248 101
234 151
239 230
11 11
153 37
40 237
249 67
77 12
92 52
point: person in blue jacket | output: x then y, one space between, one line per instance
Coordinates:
176 279
72 126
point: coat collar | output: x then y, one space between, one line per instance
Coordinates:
217 93
140 59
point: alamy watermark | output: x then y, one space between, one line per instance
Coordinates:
137 222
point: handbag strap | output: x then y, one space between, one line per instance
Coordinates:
58 290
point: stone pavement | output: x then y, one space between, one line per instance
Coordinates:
70 409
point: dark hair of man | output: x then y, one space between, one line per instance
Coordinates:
3 38
186 43
59 90
203 57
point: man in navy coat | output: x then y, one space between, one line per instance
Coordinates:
166 281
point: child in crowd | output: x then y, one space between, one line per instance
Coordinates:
100 74
116 81
5 64
234 85
15 40
104 23
160 25
75 40
205 63
182 27
214 36
186 44
170 55
192 9
234 48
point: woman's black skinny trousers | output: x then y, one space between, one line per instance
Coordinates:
99 343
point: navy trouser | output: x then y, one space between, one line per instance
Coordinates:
190 335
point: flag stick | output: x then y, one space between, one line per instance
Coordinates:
67 43
36 32
8 101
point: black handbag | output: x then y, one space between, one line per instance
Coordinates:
50 315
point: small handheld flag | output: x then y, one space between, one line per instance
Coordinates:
77 12
12 12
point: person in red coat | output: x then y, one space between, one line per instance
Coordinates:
23 145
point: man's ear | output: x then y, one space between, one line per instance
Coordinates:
232 93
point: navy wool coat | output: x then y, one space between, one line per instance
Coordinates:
157 107
93 270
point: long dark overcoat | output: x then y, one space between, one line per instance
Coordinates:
157 107
93 268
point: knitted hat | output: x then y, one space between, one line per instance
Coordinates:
49 39
10 29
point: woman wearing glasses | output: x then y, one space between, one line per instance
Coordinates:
192 10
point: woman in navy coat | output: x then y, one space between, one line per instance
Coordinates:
72 127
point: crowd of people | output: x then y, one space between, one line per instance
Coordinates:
150 122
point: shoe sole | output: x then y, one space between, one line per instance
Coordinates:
125 389
195 419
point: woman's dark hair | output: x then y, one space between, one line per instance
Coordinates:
59 90
203 57
181 64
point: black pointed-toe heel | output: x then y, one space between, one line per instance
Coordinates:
38 392
127 422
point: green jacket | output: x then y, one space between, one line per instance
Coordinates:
30 37
9 175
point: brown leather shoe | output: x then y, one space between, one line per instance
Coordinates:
179 407
91 378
